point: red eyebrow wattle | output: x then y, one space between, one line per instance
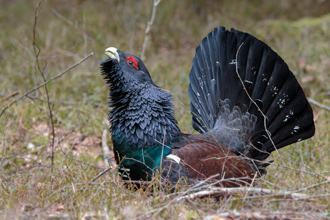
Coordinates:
134 61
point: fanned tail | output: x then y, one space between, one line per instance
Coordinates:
237 112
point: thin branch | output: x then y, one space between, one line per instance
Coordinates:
149 26
48 81
37 51
318 104
314 185
231 191
101 174
105 148
62 17
266 215
106 152
10 96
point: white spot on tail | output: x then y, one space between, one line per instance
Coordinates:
200 82
287 117
295 129
274 90
281 103
174 157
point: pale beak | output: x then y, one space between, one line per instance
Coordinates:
112 53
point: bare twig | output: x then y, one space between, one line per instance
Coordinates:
149 25
106 152
265 215
62 17
41 85
318 104
37 51
13 94
105 148
314 186
101 174
325 93
231 191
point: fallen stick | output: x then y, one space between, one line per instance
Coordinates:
230 191
318 104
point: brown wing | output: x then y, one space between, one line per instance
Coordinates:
202 159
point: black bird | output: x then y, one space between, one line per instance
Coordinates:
244 101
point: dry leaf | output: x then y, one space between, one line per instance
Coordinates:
59 207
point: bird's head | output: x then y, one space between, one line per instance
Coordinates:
125 68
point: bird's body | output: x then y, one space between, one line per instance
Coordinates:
245 102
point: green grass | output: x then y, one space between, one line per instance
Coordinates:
30 188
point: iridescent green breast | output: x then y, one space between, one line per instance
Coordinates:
138 163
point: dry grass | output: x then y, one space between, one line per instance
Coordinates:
67 31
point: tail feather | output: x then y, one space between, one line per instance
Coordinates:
221 103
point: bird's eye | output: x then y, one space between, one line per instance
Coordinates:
132 62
